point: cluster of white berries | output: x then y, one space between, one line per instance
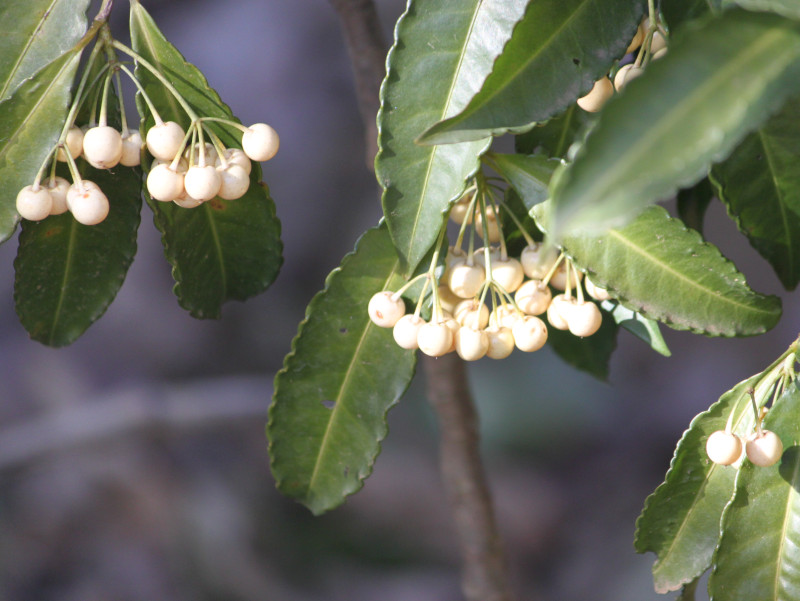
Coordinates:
763 448
652 44
189 176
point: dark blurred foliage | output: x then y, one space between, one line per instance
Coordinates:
133 464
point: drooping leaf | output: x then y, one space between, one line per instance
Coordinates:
557 52
680 520
688 110
638 325
442 52
759 551
661 269
528 174
787 8
34 34
328 415
760 186
554 137
67 273
693 202
30 123
222 250
591 354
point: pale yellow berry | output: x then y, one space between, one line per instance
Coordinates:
237 157
600 93
558 311
638 38
234 182
385 309
102 146
435 339
764 450
584 319
406 329
73 143
597 293
723 447
447 299
538 259
471 344
503 316
465 280
508 273
625 75
559 278
58 188
533 297
164 183
202 182
658 43
472 313
87 203
164 140
260 142
530 333
501 342
34 202
131 149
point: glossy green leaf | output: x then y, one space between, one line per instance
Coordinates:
442 52
557 52
31 121
554 137
222 250
693 202
689 109
759 551
33 34
328 415
67 273
638 325
760 186
591 354
680 520
528 174
661 269
787 8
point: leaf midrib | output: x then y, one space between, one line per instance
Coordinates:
786 518
64 282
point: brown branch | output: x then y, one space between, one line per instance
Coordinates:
484 570
367 49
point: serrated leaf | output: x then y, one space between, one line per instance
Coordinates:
36 32
30 124
591 354
760 186
693 202
328 415
554 137
67 273
442 52
557 52
528 174
759 550
680 520
638 325
787 8
661 269
222 250
719 81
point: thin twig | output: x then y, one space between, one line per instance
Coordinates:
367 49
484 570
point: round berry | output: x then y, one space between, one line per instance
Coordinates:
471 344
559 278
472 313
723 447
102 146
491 225
164 141
637 40
558 311
584 319
501 343
602 90
764 450
406 329
533 297
73 143
504 316
187 202
538 259
435 339
530 333
87 203
466 280
34 202
237 157
447 299
460 211
260 142
479 256
385 310
164 183
58 188
625 75
131 149
210 153
508 273
658 42
234 181
659 54
597 293
202 182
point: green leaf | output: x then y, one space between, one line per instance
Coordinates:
638 325
557 52
67 273
759 550
688 591
37 32
787 8
680 520
760 186
328 414
221 250
30 124
554 137
442 52
693 202
661 269
591 354
678 12
528 174
689 109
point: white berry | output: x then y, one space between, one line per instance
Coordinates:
558 311
466 280
406 329
723 447
596 292
530 333
87 203
260 142
73 143
164 141
164 183
491 226
34 202
58 188
533 297
384 309
508 273
764 450
202 182
625 75
602 90
503 316
460 211
472 313
538 259
471 344
584 319
209 153
447 299
501 343
637 40
658 42
187 202
234 181
131 149
435 339
102 146
237 157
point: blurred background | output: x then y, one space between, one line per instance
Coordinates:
133 463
